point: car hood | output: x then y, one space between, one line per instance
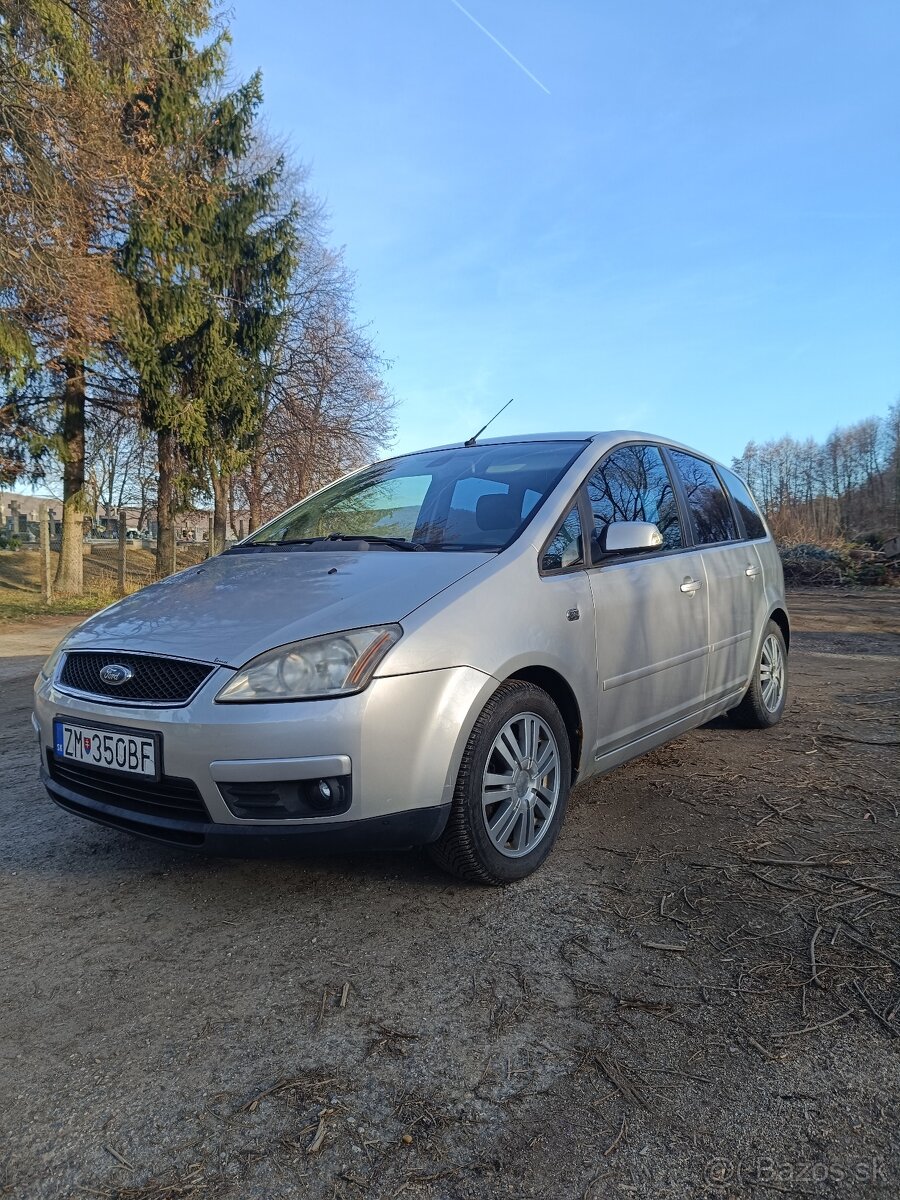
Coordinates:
235 606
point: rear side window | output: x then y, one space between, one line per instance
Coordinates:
745 504
710 510
633 484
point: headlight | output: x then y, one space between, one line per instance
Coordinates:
49 666
334 665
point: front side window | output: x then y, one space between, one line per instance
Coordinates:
710 510
633 484
745 504
465 498
566 548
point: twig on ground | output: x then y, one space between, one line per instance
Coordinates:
868 887
761 1048
843 737
812 959
629 1091
316 1144
281 1085
813 1028
873 949
609 1149
874 1011
116 1155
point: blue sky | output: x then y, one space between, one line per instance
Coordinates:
696 232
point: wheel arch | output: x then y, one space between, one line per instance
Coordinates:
780 617
560 692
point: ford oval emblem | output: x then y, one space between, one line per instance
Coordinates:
116 674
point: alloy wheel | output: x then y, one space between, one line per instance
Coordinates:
771 672
521 784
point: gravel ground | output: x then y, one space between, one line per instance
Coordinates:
699 994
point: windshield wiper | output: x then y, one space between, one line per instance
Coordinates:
396 543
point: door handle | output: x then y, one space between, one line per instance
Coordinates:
752 572
691 585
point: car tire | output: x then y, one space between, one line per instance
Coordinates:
491 826
762 707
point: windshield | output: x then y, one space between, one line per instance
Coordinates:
474 498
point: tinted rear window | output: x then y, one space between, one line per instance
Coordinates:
745 504
710 509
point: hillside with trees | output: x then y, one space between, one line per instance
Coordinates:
846 488
173 323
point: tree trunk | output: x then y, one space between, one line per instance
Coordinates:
220 509
165 504
254 495
70 569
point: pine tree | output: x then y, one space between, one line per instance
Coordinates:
162 259
249 260
209 277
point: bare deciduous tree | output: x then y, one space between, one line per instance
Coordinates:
120 460
327 409
846 486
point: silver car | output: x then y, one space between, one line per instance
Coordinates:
433 650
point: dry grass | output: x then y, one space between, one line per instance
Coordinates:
20 583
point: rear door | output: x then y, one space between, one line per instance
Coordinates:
650 608
733 574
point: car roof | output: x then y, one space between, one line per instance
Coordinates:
609 437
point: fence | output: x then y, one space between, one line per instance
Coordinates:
118 563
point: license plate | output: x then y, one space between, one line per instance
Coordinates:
110 749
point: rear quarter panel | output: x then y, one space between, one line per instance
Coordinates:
773 579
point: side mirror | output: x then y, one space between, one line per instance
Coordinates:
629 537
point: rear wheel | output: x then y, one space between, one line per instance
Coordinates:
764 701
511 791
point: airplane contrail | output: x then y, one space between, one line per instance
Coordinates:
497 42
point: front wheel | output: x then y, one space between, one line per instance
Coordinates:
765 698
511 791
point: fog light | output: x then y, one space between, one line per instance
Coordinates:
326 795
287 800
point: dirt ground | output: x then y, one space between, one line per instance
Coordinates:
699 994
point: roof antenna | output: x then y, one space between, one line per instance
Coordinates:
472 440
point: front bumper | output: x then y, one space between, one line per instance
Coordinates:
398 743
416 827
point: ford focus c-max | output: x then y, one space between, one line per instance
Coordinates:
432 650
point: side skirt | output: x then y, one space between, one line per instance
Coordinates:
650 741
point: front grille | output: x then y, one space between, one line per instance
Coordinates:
154 680
169 798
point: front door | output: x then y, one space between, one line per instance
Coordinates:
652 638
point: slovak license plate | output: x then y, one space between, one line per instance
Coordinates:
112 749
